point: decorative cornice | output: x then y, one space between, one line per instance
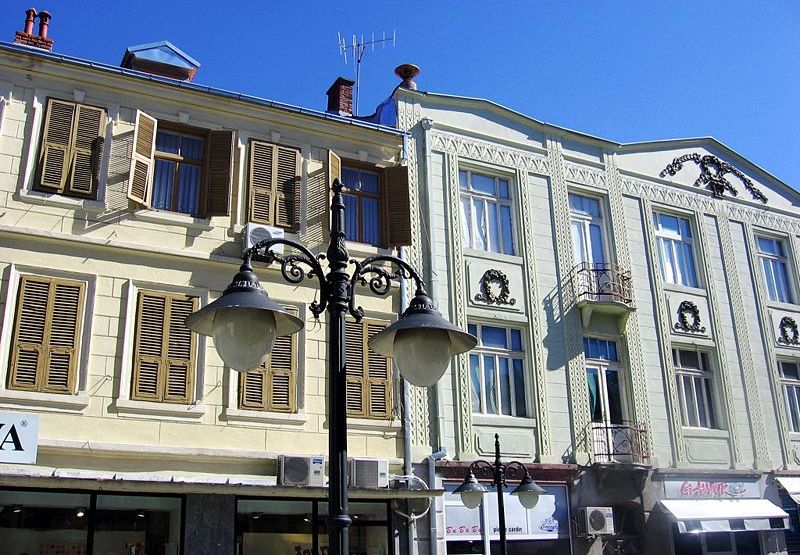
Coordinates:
712 175
485 151
579 173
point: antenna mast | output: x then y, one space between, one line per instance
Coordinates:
357 50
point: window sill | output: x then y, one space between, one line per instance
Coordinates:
362 250
787 307
244 416
699 291
172 218
393 427
54 199
493 256
52 402
705 432
503 421
157 410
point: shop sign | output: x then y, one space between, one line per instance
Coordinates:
549 519
711 489
19 437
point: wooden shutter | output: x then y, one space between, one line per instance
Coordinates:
287 186
398 207
164 348
56 144
262 193
219 172
318 200
87 148
368 375
273 386
46 335
142 164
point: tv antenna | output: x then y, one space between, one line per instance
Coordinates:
357 50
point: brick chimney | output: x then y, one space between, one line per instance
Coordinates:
340 97
27 37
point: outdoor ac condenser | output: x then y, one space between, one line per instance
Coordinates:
369 473
253 233
594 521
301 471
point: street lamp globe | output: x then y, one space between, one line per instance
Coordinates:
471 491
422 342
528 492
244 322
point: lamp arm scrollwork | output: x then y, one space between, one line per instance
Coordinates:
379 278
515 470
291 268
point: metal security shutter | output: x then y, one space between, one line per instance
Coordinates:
46 335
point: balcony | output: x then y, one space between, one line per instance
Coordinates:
624 443
603 289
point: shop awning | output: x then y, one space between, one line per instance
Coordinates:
726 515
791 485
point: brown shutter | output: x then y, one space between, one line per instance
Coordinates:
56 144
378 378
180 351
149 346
288 188
355 344
46 335
87 149
142 163
398 208
219 172
273 386
261 183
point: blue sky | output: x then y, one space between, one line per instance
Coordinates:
624 70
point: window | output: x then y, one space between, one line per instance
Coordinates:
164 350
790 378
273 386
774 263
362 201
274 183
486 222
72 145
586 221
181 169
369 376
675 249
497 371
694 377
47 329
603 376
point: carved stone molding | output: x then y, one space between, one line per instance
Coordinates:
712 175
580 173
485 151
789 334
487 295
686 310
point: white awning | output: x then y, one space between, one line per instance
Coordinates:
726 515
791 485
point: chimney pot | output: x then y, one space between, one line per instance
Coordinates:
407 72
30 16
340 97
44 24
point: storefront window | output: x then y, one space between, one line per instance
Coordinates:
137 525
300 527
44 523
716 543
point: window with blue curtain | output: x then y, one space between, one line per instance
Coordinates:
602 376
363 200
178 171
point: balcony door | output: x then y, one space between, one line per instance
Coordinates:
589 245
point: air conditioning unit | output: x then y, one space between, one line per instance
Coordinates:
369 473
594 521
301 471
253 233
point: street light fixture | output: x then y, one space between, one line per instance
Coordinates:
471 490
244 322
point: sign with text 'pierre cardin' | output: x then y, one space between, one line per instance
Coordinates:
19 437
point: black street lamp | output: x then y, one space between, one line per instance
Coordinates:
472 491
244 322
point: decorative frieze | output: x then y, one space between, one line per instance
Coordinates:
485 151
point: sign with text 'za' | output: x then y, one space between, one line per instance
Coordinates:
19 437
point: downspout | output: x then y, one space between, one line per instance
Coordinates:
407 466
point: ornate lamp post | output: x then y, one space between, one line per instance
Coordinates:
472 491
244 322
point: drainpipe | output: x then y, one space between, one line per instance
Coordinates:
434 528
407 466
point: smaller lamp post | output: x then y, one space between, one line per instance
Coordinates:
472 491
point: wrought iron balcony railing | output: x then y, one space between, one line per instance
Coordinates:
624 443
603 283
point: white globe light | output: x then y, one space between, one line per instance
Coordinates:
471 499
422 354
528 499
243 336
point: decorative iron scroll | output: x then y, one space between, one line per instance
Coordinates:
789 334
487 295
686 309
712 175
